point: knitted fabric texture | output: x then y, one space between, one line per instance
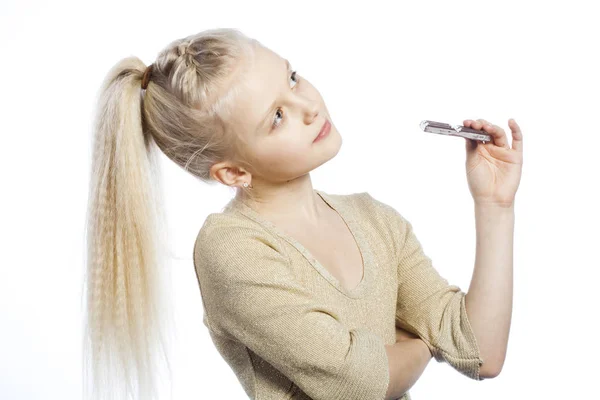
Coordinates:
287 327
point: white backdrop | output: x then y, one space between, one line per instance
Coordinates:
381 67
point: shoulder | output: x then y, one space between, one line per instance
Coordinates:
382 208
230 228
354 203
231 237
363 205
389 223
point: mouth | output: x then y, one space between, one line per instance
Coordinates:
324 131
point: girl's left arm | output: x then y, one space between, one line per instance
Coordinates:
493 175
489 298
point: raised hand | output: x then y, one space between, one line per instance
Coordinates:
494 168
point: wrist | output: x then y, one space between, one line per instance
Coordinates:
487 212
494 207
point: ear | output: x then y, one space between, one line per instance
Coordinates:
228 173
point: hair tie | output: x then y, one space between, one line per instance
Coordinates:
147 75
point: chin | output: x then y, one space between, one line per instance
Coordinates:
339 141
336 137
332 148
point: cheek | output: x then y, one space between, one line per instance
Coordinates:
284 157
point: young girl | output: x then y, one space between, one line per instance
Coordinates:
306 294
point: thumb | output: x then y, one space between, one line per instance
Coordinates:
470 146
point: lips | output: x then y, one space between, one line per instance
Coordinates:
324 130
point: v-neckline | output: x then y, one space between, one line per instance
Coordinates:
353 227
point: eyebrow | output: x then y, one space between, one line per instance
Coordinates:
272 107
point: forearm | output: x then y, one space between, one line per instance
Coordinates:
489 298
407 360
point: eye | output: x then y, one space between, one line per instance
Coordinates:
296 79
279 110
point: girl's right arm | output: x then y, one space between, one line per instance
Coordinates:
407 360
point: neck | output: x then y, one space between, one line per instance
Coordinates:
292 201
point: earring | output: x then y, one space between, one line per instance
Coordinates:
246 184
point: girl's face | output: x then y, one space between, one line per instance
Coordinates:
278 115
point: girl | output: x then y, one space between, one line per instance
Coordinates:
306 295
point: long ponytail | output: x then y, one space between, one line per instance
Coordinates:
127 282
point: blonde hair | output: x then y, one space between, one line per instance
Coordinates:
183 111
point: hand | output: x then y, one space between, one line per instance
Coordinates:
402 335
494 169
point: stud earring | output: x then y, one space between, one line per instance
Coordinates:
246 185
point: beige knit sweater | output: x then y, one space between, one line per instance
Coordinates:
289 330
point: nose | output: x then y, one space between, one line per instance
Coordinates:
310 109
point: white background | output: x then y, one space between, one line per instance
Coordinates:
382 67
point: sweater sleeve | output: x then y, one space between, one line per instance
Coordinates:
427 305
251 296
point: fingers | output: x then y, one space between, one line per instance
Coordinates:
498 135
517 135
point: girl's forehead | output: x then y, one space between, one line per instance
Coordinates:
260 87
